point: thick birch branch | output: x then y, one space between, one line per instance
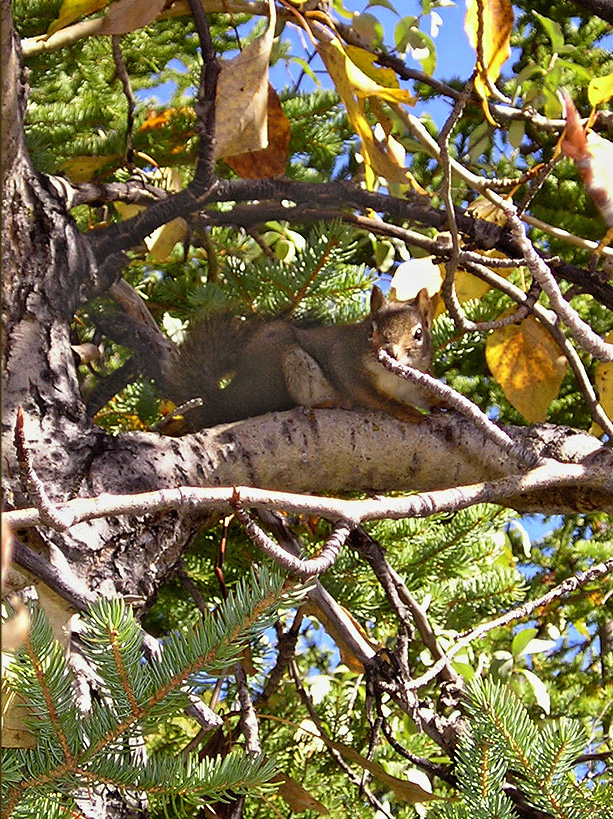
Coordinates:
335 451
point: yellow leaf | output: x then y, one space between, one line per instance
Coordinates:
84 168
379 154
242 97
369 80
489 24
603 376
528 365
482 208
469 287
71 10
162 241
127 211
600 90
16 731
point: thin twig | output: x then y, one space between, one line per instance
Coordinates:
399 595
302 568
336 755
127 90
204 105
565 588
249 720
50 515
464 405
448 290
583 333
549 475
63 582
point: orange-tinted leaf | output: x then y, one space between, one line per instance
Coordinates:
593 156
270 161
159 119
528 365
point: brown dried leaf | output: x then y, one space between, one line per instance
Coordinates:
129 15
241 123
270 161
297 797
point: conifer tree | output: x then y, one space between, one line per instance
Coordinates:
318 611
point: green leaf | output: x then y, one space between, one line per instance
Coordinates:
553 30
521 640
539 689
537 646
402 31
386 4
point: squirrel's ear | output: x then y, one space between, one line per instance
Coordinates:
423 302
377 300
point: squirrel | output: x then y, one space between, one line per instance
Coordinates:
277 364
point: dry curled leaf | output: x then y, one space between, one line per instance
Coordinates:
130 15
270 161
593 156
242 97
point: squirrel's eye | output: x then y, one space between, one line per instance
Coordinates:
417 335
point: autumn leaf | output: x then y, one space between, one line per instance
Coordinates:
272 160
161 242
600 90
603 376
130 15
84 168
593 156
402 789
71 10
369 80
489 24
242 97
528 365
354 86
297 797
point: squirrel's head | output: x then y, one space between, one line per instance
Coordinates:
403 329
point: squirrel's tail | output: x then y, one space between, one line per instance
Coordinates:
197 369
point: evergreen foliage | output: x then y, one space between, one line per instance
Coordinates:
501 743
135 696
530 712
